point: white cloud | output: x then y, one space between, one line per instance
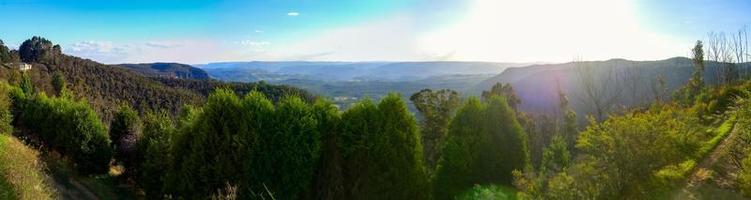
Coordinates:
293 14
184 51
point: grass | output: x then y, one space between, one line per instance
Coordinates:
21 172
497 192
721 132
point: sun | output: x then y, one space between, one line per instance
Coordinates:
545 30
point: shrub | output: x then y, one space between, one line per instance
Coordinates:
69 127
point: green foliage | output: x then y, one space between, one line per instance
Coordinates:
154 152
489 192
720 134
555 157
70 127
289 149
744 177
6 116
381 152
437 108
60 85
500 89
485 144
622 148
37 49
4 53
125 130
26 86
687 95
214 148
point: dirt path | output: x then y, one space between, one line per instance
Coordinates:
701 171
69 188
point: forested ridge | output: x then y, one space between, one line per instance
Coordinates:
206 139
105 87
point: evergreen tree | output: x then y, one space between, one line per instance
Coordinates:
125 130
381 152
290 150
26 86
213 149
37 49
59 84
4 53
154 151
485 144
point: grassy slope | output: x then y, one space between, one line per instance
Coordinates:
21 172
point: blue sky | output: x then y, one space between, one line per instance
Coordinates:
117 31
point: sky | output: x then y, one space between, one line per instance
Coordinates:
195 32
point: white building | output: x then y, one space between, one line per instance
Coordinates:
24 66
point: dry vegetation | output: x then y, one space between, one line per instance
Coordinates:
22 172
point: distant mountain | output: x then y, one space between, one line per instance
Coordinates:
346 82
631 81
167 70
348 71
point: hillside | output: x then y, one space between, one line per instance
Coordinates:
105 87
167 70
629 82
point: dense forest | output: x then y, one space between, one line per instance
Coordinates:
105 87
76 129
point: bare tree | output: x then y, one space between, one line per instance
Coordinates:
658 88
599 87
739 48
633 81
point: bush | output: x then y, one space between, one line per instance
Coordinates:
70 127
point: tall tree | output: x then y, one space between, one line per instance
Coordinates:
4 53
381 152
506 90
154 153
437 108
485 144
37 49
600 87
59 84
125 130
